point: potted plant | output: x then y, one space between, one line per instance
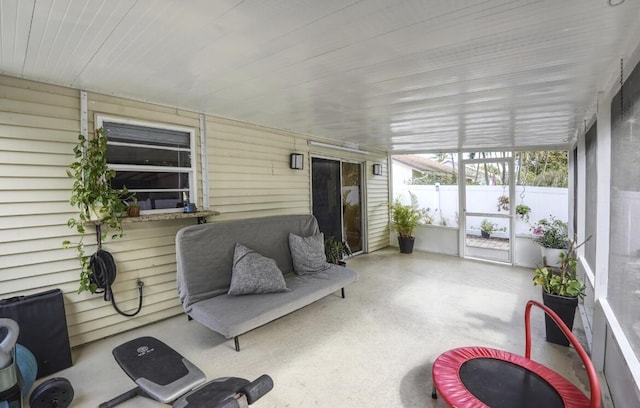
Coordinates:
487 228
97 202
336 251
404 219
561 290
133 210
552 235
523 211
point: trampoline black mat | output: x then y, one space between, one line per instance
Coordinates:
501 384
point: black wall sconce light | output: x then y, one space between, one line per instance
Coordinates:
297 161
377 169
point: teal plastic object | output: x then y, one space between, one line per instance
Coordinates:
28 367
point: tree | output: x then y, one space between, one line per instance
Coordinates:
542 168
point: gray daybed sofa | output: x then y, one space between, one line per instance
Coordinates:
205 258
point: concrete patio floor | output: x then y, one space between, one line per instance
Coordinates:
373 349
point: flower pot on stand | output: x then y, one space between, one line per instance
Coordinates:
565 308
406 244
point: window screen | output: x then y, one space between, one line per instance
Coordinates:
624 242
153 162
591 191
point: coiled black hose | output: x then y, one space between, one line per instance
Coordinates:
103 268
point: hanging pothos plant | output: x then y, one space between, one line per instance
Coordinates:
523 210
93 196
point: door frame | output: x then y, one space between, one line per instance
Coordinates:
462 202
363 194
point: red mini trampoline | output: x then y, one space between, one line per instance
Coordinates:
474 377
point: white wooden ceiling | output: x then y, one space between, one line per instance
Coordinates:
394 75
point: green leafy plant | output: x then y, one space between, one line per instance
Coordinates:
523 211
551 233
96 201
336 250
562 281
490 227
405 217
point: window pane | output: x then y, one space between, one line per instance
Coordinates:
121 132
151 180
159 200
147 156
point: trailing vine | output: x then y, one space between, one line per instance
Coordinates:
96 201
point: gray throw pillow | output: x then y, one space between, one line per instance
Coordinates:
307 253
253 273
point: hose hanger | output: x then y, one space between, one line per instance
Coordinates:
103 274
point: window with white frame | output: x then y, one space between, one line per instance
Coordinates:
154 161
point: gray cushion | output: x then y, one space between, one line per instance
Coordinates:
253 273
234 315
307 253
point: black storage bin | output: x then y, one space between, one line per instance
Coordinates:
43 328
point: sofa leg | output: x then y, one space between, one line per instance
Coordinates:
237 343
342 293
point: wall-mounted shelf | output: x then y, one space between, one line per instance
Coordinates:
200 215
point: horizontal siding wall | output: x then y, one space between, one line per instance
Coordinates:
39 126
248 176
378 206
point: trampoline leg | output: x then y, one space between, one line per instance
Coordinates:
342 293
237 343
434 393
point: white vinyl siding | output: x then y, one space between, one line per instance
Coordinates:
249 174
38 128
378 205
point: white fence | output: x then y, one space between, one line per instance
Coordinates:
443 203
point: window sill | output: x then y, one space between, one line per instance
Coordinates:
170 216
200 215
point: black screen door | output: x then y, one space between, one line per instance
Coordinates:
327 199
